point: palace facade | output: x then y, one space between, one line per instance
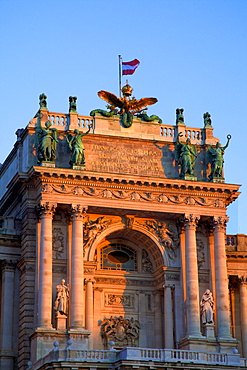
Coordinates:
104 264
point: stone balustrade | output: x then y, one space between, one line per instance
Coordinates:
141 354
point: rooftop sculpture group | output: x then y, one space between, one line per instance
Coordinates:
185 153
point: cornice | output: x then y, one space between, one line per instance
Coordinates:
149 188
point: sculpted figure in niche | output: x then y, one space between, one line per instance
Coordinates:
207 307
77 147
185 154
215 156
45 141
62 299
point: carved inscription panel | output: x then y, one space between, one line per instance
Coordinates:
124 157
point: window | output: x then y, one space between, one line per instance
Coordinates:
118 257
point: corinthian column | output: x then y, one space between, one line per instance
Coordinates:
221 279
243 312
89 309
192 285
77 269
46 211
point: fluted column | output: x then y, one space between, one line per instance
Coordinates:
7 314
77 269
243 312
158 319
46 211
168 316
192 285
221 279
89 310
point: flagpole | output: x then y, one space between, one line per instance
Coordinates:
120 75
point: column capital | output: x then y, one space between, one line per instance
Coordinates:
77 211
219 222
8 265
242 279
46 209
89 280
171 286
190 219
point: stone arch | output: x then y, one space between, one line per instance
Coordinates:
137 233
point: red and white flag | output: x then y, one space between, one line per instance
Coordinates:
128 68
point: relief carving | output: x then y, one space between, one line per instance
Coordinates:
57 243
133 196
167 235
92 229
146 262
124 332
200 253
125 300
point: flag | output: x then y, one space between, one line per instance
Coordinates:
128 68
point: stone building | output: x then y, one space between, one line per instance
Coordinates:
104 263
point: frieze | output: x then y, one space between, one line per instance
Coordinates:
137 195
128 282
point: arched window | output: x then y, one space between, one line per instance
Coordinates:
118 257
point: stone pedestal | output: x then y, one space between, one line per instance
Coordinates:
208 330
61 321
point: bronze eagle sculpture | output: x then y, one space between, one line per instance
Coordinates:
127 106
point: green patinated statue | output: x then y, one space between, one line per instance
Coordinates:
185 155
207 120
215 156
76 146
72 104
45 141
179 116
42 101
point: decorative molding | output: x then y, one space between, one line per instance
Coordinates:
137 195
127 282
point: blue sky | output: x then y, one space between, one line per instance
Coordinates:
193 55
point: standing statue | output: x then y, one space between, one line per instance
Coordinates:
45 141
42 101
179 116
77 147
215 156
207 307
72 104
62 298
185 154
207 119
